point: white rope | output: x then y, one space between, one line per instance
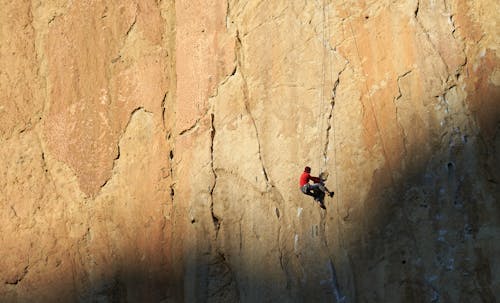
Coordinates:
323 79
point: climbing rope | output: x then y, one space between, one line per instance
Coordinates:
326 37
322 92
335 288
334 128
322 160
333 121
338 192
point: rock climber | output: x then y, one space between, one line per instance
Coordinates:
317 189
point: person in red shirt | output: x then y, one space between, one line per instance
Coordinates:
316 190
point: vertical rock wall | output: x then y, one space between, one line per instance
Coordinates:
151 151
386 98
85 178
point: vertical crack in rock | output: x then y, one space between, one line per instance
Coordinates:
442 97
415 13
282 256
458 71
240 233
334 284
330 116
41 60
396 98
118 145
45 165
427 35
172 192
450 115
278 198
171 166
453 27
280 248
163 109
333 281
215 219
239 59
460 68
221 283
227 15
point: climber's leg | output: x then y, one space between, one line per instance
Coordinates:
306 189
325 190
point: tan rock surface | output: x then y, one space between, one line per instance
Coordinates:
20 95
103 63
150 151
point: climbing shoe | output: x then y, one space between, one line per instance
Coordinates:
331 194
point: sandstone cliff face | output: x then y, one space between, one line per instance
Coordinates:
151 151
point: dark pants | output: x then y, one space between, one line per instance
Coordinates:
315 190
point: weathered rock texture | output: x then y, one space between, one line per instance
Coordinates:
150 151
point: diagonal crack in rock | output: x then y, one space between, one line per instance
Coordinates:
239 55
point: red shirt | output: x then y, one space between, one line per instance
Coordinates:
305 177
